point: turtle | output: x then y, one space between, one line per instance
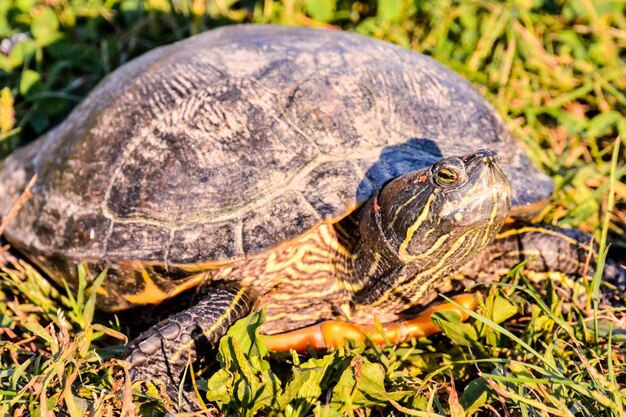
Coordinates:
326 177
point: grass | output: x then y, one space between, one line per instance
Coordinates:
554 70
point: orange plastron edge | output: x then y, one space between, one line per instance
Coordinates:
329 334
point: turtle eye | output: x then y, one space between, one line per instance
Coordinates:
446 176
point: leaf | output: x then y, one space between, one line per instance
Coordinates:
362 385
5 28
450 323
51 106
245 384
305 387
390 10
220 387
45 25
475 395
18 372
23 50
521 371
322 10
75 406
246 333
90 305
325 410
502 309
36 328
30 83
25 5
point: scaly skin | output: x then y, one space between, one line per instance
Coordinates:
162 352
547 249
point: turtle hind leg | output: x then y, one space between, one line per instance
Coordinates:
161 353
547 249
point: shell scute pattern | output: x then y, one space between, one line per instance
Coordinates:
259 133
81 230
235 142
282 219
327 196
336 112
198 242
110 121
137 240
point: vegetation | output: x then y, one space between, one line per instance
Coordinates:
556 72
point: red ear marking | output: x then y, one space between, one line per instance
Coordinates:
375 205
422 178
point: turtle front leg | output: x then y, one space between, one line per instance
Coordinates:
162 352
546 249
333 333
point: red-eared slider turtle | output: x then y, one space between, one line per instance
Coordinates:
321 175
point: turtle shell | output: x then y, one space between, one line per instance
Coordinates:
224 145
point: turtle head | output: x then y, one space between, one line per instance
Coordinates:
426 224
449 210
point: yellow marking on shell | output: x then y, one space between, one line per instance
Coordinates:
201 266
458 217
188 284
411 230
151 293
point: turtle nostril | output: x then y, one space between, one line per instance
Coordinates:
488 155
